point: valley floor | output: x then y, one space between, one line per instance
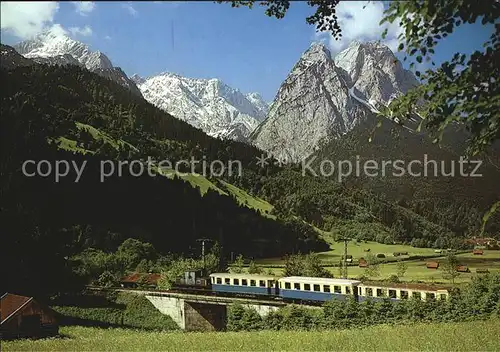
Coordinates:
416 268
470 336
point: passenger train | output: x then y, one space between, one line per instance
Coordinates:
315 289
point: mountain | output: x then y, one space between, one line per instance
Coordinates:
208 104
10 58
55 47
323 97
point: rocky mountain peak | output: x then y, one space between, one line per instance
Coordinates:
209 104
137 79
323 97
317 49
55 47
374 71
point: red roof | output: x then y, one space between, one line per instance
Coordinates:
363 263
432 265
481 240
135 278
477 251
462 268
10 303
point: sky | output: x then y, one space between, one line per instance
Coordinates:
202 39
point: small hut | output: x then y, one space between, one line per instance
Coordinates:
432 265
23 317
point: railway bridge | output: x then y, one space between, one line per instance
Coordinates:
197 312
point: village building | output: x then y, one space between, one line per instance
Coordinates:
24 317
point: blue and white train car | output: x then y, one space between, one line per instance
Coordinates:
317 289
402 291
244 284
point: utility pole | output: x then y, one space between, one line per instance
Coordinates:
203 240
344 261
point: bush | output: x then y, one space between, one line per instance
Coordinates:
243 319
393 278
254 268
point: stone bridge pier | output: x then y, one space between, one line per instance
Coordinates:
204 313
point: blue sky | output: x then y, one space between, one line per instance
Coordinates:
243 47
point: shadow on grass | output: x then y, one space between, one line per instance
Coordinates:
74 321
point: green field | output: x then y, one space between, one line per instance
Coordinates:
472 336
248 200
416 271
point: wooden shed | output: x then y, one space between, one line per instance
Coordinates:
23 317
432 265
477 251
363 263
463 269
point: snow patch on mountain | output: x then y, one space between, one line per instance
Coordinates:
55 47
208 104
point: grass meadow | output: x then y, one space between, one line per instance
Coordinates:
472 336
416 268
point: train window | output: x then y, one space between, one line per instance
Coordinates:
442 296
337 289
392 293
262 283
380 292
219 280
404 294
307 287
430 296
288 285
347 290
326 288
417 295
316 288
296 286
227 281
236 281
369 292
244 282
253 283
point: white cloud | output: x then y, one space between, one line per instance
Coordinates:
57 30
359 20
130 9
84 7
25 19
107 37
85 31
